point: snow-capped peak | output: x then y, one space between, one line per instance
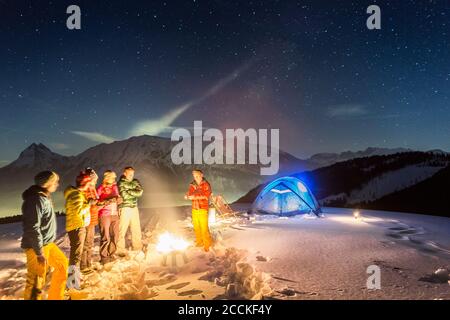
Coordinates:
36 156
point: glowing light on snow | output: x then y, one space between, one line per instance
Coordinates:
356 214
350 220
168 242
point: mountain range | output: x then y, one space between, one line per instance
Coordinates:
164 183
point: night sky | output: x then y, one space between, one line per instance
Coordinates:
310 68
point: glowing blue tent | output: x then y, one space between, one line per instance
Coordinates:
286 196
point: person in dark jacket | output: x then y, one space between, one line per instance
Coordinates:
39 233
130 190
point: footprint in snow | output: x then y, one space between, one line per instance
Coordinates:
237 228
283 279
397 228
261 258
161 281
406 233
289 292
397 236
190 292
178 286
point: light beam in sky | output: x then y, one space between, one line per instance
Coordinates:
95 136
164 123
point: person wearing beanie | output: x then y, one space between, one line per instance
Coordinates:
109 199
39 233
77 219
92 197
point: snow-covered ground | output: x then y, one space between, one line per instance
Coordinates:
269 257
328 258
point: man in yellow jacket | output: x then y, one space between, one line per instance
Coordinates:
39 233
77 219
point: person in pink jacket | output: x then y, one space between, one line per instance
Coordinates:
108 213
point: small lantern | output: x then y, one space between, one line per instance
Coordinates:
212 216
356 214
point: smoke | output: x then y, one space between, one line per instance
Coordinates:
163 198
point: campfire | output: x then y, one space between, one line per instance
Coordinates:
172 245
168 243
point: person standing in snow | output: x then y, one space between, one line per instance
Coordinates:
130 191
39 234
78 217
199 192
109 200
91 195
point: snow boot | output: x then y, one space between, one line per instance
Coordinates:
73 278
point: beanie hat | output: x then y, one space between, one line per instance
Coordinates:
45 177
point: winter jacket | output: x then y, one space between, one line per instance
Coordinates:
130 191
38 219
92 195
203 189
77 209
108 196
